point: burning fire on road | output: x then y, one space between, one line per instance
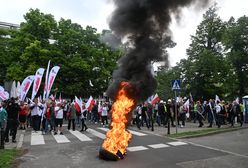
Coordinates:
144 24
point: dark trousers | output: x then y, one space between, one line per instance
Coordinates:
35 122
104 118
84 126
144 119
12 125
169 117
71 121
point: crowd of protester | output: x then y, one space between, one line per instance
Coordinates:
49 116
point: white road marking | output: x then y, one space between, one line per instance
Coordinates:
61 138
136 148
104 129
220 150
37 138
80 136
156 146
20 142
96 133
177 143
131 131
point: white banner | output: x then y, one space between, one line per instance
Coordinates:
46 82
27 82
52 75
37 81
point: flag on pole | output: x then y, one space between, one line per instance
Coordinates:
155 99
46 82
27 82
37 82
52 75
217 99
186 106
90 103
90 83
4 95
78 104
18 89
13 90
237 100
60 98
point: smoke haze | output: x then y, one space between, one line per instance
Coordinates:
145 24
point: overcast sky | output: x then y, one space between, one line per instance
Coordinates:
96 13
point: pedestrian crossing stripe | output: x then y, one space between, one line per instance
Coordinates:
96 133
136 148
131 131
37 138
157 146
61 138
80 136
177 143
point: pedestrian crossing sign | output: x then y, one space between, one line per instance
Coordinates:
176 84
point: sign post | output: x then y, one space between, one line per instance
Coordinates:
175 87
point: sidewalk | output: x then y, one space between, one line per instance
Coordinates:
189 126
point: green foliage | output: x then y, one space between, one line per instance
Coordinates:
78 51
217 61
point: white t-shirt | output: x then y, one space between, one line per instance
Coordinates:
104 111
59 113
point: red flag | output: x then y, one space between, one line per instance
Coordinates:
155 99
78 104
37 81
90 103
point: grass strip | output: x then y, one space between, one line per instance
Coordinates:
7 156
203 132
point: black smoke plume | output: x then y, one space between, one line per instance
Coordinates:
145 24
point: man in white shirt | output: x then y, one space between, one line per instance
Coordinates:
58 119
35 111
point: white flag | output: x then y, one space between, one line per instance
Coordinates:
52 75
27 82
91 83
37 81
46 82
217 99
13 90
18 89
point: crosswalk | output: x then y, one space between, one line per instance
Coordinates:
36 138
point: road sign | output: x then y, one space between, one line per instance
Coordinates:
176 84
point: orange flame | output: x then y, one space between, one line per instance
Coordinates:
118 138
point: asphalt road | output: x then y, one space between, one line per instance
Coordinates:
145 151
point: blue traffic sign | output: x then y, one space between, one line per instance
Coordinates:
176 84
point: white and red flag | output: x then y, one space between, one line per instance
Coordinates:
4 95
90 103
37 82
78 104
46 81
27 82
155 99
52 75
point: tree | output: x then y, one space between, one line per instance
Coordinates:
235 40
79 52
207 66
